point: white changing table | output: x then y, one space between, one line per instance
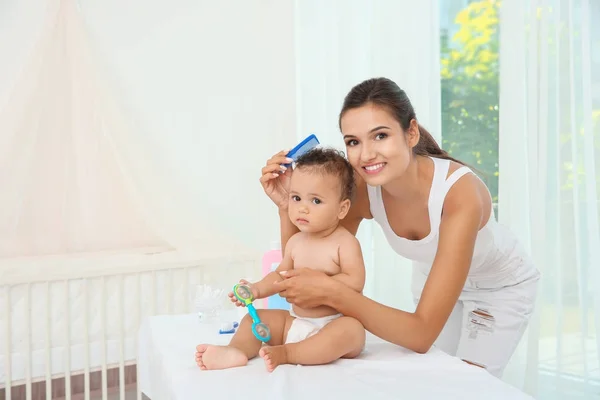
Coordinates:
167 371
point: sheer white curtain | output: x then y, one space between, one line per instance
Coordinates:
549 188
214 99
340 43
140 127
63 188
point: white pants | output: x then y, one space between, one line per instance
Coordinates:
489 318
303 328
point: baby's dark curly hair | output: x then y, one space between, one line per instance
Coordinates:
330 161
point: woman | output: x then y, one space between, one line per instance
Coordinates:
473 283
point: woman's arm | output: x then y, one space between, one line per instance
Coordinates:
419 330
275 181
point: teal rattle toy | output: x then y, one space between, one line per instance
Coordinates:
244 295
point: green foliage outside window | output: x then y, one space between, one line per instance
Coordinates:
469 73
470 95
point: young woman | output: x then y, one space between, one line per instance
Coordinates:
473 283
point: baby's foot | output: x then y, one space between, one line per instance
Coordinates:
209 356
273 356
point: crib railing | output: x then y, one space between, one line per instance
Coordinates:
87 325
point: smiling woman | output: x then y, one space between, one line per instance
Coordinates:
393 111
474 284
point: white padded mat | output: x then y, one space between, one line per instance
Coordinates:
383 371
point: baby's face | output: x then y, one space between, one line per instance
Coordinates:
315 202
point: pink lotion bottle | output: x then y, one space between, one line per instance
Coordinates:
270 261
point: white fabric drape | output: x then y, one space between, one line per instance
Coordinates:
341 43
549 185
64 190
139 128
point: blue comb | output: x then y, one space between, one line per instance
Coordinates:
307 144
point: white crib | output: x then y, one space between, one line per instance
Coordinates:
68 330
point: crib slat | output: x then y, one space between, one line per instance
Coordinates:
28 342
154 303
8 350
138 319
121 338
86 339
48 339
67 342
103 331
186 290
170 293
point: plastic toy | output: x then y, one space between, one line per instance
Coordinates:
244 294
228 328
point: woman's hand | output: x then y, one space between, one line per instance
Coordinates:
306 287
275 179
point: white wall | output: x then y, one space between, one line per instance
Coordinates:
210 86
210 81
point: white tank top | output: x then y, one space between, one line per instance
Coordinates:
497 251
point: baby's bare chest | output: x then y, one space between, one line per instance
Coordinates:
320 256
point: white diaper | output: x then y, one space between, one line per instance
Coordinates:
302 328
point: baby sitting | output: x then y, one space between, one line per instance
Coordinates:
321 189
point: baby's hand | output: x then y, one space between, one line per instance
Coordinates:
234 299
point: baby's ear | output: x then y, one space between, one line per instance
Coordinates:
344 208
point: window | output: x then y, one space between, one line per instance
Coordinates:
564 333
469 81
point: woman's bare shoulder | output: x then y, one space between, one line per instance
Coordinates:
468 191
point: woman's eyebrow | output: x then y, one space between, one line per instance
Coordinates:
378 128
371 131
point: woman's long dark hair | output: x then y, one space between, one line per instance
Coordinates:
384 92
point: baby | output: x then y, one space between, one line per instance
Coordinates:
321 189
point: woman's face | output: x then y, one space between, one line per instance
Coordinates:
376 145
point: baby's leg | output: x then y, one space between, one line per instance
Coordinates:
341 338
243 346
